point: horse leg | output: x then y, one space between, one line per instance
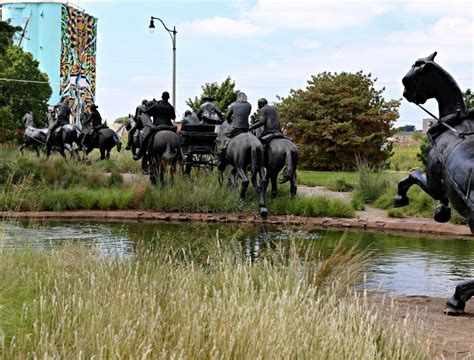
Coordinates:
172 171
162 173
145 164
293 187
263 186
433 188
37 151
416 177
71 152
233 173
245 182
273 179
102 153
153 170
456 303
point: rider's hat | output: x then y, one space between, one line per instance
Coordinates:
208 98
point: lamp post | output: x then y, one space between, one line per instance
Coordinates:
172 34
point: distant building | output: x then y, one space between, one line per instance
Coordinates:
427 123
63 38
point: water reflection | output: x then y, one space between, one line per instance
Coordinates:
400 265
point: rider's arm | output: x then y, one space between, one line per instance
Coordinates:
219 113
261 122
229 115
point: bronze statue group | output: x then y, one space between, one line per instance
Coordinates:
449 170
153 138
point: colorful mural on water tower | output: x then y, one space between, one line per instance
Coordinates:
78 55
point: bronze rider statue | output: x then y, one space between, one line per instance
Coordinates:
209 113
64 112
163 113
270 121
93 122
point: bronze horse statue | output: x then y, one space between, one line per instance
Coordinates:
245 152
163 152
105 141
281 153
449 169
63 139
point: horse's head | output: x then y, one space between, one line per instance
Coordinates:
418 81
130 122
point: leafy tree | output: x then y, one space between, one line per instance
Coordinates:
121 120
6 35
339 119
29 89
468 97
223 94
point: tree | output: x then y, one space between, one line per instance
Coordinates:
24 87
468 97
223 94
6 35
339 119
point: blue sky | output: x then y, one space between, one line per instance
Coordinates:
269 46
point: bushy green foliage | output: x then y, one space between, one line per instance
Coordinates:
326 178
223 94
468 97
405 158
425 147
372 183
17 97
317 206
6 35
339 118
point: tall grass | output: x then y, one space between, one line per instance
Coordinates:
372 183
29 184
165 304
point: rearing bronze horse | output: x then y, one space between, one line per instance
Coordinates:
449 169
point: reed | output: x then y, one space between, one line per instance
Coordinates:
166 304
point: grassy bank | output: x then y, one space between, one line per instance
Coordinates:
27 184
70 303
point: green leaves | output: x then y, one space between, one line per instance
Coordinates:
223 94
338 119
23 88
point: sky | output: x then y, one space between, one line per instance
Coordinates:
271 46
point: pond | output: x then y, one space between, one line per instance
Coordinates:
400 265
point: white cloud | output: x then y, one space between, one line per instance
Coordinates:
222 27
307 43
310 14
439 8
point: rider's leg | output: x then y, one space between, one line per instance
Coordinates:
143 147
130 138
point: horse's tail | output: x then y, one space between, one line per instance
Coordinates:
169 154
290 166
256 160
117 142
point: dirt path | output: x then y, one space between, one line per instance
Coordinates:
450 337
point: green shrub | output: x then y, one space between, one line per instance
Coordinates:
372 183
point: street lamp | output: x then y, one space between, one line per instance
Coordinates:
172 34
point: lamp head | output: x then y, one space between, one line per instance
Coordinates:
151 27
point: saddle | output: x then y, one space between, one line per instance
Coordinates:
452 120
157 128
269 137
